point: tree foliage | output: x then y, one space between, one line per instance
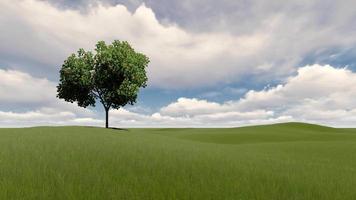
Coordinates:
113 76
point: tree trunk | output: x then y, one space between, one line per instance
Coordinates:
107 117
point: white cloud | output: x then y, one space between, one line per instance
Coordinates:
190 107
47 35
36 98
323 87
41 34
317 94
42 118
19 87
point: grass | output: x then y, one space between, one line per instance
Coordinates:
282 161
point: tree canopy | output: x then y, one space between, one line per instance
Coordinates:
112 76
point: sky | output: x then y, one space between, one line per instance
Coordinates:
213 63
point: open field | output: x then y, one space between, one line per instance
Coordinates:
283 161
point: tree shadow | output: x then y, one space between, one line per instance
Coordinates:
118 129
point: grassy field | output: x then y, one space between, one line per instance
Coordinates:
283 161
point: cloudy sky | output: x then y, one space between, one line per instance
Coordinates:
213 63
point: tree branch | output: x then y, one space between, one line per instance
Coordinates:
95 94
100 96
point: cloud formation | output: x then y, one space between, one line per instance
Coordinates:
255 44
29 101
20 87
271 49
319 94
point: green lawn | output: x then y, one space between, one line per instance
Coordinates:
284 161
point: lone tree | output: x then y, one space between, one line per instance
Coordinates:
113 76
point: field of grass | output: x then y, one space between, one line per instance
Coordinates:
283 161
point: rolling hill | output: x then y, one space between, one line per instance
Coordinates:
280 161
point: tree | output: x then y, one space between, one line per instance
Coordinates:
113 76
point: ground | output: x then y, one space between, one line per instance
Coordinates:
283 161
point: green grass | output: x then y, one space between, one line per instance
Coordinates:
283 161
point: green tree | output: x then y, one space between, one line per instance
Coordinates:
113 76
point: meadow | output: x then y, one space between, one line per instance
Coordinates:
281 161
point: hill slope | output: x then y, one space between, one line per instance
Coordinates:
282 161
